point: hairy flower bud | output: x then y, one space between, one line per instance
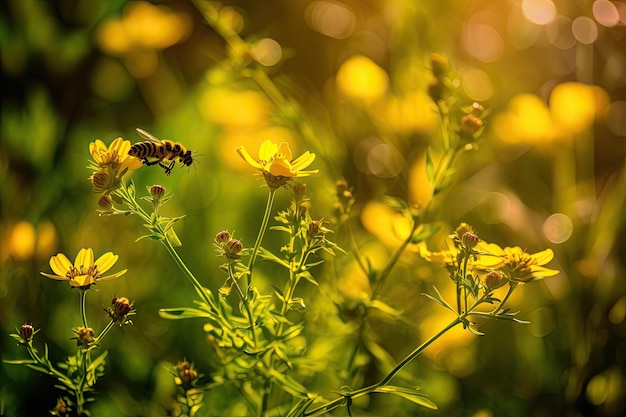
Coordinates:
469 240
100 180
105 202
84 336
157 192
27 331
232 249
493 280
120 307
222 238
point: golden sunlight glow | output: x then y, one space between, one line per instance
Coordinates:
540 12
615 120
476 83
420 187
375 157
389 226
559 33
413 112
482 40
22 240
574 106
360 78
526 120
234 108
330 18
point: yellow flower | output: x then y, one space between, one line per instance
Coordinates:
85 272
517 265
115 156
276 164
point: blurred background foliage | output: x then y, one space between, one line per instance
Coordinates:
352 81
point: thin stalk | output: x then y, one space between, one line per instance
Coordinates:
394 259
196 284
259 239
104 331
504 300
83 312
246 304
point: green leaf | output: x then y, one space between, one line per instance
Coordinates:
172 237
395 203
407 394
100 360
437 297
385 308
307 275
288 384
430 168
19 361
182 313
424 233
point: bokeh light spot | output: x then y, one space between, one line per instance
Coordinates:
574 106
541 322
360 78
384 161
616 118
606 13
476 83
558 228
267 52
330 18
483 42
540 12
585 30
559 32
22 240
618 311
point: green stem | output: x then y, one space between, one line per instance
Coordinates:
104 331
196 284
259 239
393 260
366 390
83 313
246 304
504 300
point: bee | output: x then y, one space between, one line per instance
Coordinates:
160 151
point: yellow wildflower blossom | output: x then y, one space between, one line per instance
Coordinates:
517 265
85 271
115 156
276 164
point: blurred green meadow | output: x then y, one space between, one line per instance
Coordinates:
349 81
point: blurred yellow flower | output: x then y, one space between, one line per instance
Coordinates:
84 272
525 121
517 265
276 164
361 79
574 106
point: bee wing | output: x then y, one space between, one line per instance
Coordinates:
148 136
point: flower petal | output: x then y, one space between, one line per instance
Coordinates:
267 151
84 258
543 257
60 264
82 280
56 277
113 276
246 157
303 161
283 151
106 261
280 168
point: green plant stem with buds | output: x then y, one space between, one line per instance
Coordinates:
246 303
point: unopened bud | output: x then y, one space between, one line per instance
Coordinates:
462 229
105 202
222 238
157 192
84 336
493 279
299 191
60 409
469 240
477 109
314 228
101 180
27 331
186 374
471 124
120 307
232 249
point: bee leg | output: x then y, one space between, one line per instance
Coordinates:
148 163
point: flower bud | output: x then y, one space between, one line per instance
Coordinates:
232 249
469 240
27 331
314 228
60 409
84 336
222 238
157 192
462 229
100 180
186 374
299 191
105 202
471 124
492 280
120 307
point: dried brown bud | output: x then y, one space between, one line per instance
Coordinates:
186 374
222 238
232 249
120 307
469 240
493 280
471 124
84 336
157 192
101 180
105 202
314 228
